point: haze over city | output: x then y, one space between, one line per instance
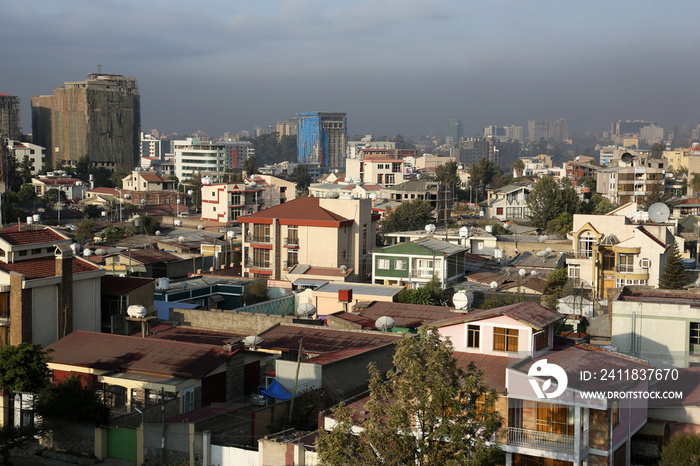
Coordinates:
394 66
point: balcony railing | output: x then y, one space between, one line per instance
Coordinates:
542 440
424 273
259 265
258 239
581 254
624 268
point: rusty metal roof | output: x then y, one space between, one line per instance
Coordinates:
528 313
285 337
405 315
110 352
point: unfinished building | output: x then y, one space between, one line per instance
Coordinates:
9 117
99 117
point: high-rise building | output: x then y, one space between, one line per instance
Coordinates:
9 117
153 146
472 150
195 156
537 129
629 127
321 138
559 129
455 131
99 117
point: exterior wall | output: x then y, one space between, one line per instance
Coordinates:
87 305
193 155
458 335
45 315
328 303
228 321
21 318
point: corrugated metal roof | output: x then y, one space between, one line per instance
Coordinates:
20 237
405 315
360 288
320 339
110 352
528 313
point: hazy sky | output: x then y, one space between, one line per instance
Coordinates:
395 66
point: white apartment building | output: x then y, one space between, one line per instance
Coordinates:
194 155
36 154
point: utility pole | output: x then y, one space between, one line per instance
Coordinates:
296 379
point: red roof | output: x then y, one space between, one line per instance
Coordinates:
405 315
45 267
321 339
149 256
150 177
111 191
528 313
300 209
5 95
51 181
339 355
20 237
494 367
196 335
110 352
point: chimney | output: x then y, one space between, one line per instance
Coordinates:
64 269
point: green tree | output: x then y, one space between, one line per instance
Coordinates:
657 150
14 178
53 196
25 169
92 211
571 202
483 175
149 224
447 174
23 368
113 233
300 176
598 205
562 224
681 450
86 230
250 166
82 168
517 168
410 215
194 184
26 193
427 411
545 202
255 292
655 193
674 275
72 401
101 177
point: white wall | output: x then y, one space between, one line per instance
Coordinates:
44 315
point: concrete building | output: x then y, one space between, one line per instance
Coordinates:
154 147
73 188
99 117
367 142
236 154
9 117
142 181
427 190
620 128
455 131
508 203
45 291
194 155
321 138
36 154
288 127
335 233
624 184
557 130
384 171
472 150
504 133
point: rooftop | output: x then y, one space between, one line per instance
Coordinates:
149 256
45 267
405 315
114 285
360 288
301 208
17 237
285 337
647 294
528 313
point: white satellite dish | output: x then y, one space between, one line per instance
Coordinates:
548 250
75 247
385 323
430 228
542 238
533 273
230 234
100 252
463 232
373 196
659 212
157 232
200 227
494 285
181 239
252 341
306 310
183 285
489 228
87 253
462 299
522 272
543 253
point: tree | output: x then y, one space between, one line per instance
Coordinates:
426 411
86 230
562 224
101 177
14 178
26 167
517 168
71 400
92 211
26 193
482 175
430 294
655 193
53 196
255 293
23 368
194 184
250 166
82 168
657 150
674 275
571 203
681 449
447 174
544 201
410 215
300 176
149 224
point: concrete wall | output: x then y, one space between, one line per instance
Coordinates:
227 321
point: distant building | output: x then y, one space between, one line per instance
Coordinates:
620 127
321 138
193 155
147 181
288 127
455 131
355 147
504 133
9 117
99 117
557 130
237 152
73 188
384 171
472 150
154 147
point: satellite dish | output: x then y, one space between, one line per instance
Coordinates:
542 253
493 285
627 157
463 232
522 272
75 247
697 283
548 250
385 323
87 253
542 238
183 285
230 234
200 227
100 252
533 273
659 212
157 232
373 196
430 228
181 239
252 341
306 310
462 299
489 228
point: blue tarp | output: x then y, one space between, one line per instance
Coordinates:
276 391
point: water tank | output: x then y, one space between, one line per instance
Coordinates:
489 229
136 311
163 283
178 223
498 253
36 218
30 220
87 253
306 310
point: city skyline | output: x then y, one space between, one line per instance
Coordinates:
393 67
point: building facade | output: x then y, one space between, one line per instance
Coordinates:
321 138
9 117
455 131
36 154
99 117
193 155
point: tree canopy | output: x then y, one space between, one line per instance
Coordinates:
681 449
545 202
23 368
70 400
300 176
447 174
426 411
483 175
674 275
410 215
655 193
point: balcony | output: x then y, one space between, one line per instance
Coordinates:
581 254
263 265
543 440
258 239
425 273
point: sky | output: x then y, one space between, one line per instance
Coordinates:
394 66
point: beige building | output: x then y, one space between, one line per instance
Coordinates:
382 170
330 233
614 250
621 185
141 181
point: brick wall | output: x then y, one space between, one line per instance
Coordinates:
599 429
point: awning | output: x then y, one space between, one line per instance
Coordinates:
276 391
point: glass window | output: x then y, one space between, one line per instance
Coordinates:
400 265
383 264
292 257
616 412
608 260
553 418
261 233
626 263
585 246
473 336
694 336
505 339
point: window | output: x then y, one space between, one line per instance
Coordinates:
499 210
383 264
400 265
473 336
364 239
645 264
235 213
616 412
574 273
261 233
695 337
236 199
626 263
505 339
608 260
261 258
22 253
293 234
36 251
585 246
541 340
292 257
555 418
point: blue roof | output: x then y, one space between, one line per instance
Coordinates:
164 307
